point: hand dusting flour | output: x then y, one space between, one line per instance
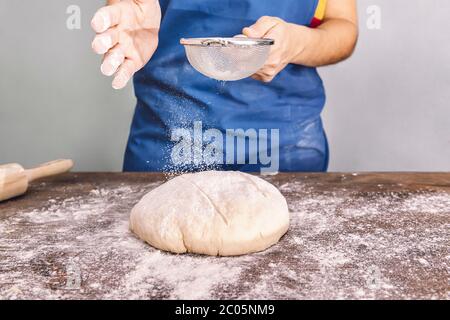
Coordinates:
341 244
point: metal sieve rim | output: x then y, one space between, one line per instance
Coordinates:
227 42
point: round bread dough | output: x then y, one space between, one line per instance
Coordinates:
214 212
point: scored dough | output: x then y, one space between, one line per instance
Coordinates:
214 212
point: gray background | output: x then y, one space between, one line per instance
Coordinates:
387 109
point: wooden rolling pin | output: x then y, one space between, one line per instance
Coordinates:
14 179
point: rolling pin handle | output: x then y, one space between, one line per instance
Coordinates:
49 169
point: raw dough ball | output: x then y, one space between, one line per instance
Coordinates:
215 212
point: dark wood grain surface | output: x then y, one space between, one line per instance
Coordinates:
366 235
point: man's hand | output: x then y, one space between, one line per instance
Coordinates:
127 36
286 46
333 41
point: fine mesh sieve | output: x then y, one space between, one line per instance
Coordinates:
227 59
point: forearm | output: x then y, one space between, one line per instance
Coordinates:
330 43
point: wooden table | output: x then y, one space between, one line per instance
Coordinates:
374 236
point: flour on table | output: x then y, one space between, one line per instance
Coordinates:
339 245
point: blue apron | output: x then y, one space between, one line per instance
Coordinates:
171 95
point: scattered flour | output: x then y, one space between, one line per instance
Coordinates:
341 244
